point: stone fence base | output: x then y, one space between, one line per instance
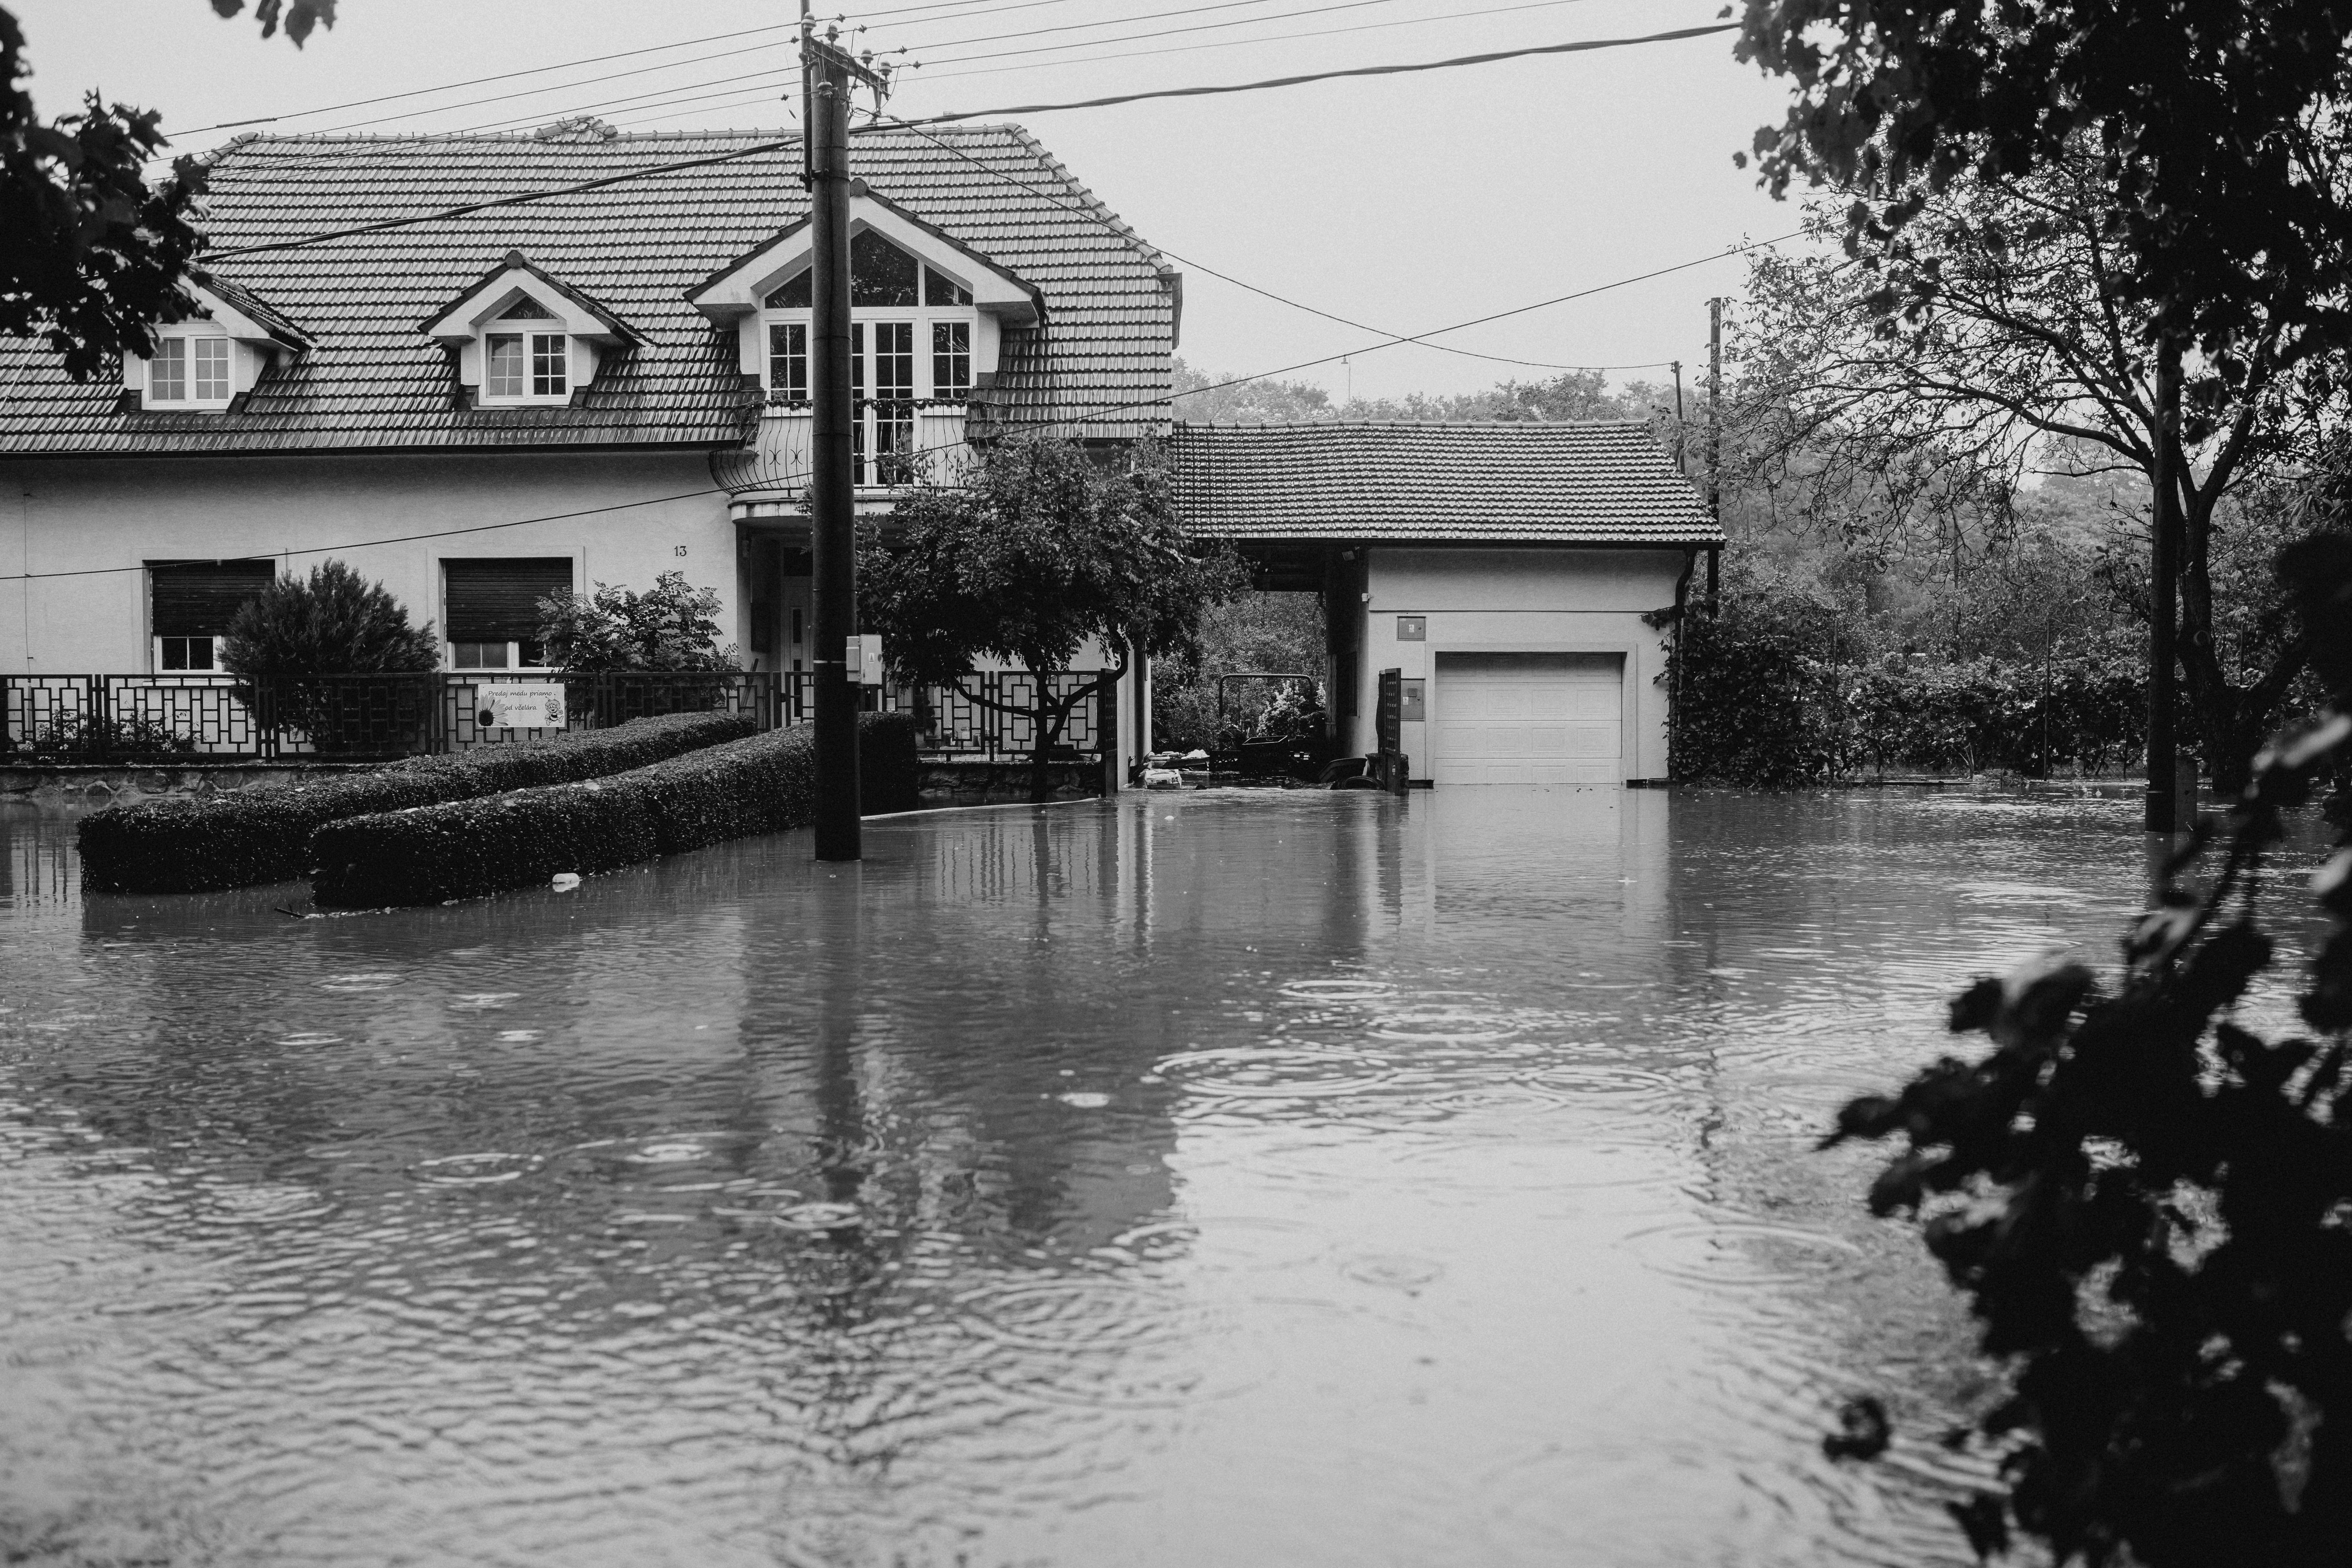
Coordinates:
103 784
947 781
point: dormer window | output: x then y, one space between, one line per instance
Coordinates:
522 337
189 372
904 303
228 343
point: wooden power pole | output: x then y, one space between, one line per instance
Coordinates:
1714 439
826 75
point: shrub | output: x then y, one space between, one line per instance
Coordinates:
78 737
671 626
263 834
335 622
468 848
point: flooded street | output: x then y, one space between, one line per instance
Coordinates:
1215 1178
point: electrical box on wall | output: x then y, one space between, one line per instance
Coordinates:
1412 628
1412 701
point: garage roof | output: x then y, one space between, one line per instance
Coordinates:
1473 482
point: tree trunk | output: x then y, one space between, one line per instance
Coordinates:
1042 737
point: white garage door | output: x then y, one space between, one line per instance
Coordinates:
1527 717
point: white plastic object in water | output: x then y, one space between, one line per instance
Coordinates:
565 882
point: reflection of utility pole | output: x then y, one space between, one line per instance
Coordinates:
825 76
2162 765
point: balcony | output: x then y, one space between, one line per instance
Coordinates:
898 444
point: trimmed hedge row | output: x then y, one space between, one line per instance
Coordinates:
466 848
263 834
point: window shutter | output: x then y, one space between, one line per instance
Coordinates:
198 598
497 601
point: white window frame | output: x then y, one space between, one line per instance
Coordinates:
195 350
212 665
529 330
514 666
923 317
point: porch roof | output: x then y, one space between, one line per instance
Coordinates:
1481 482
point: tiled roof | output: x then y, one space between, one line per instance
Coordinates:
373 382
1466 483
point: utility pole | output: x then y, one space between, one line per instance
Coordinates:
826 74
2163 766
1714 439
1678 420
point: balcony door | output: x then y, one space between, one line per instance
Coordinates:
882 357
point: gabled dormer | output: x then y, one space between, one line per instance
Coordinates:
228 343
929 312
523 338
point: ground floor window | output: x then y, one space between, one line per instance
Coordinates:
490 609
191 603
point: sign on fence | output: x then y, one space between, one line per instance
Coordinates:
524 705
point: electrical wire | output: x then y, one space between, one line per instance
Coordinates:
1121 229
1489 58
930 77
527 197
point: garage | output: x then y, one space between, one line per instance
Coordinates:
1529 718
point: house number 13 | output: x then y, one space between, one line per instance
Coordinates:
677 550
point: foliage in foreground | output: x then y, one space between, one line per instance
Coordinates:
90 257
262 835
465 848
2149 1206
1045 548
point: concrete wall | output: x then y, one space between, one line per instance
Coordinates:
71 516
1524 600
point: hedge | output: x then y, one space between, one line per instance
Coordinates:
465 848
263 834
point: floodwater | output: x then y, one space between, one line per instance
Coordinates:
1215 1178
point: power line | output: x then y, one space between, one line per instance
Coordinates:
527 197
1116 228
1458 60
1244 43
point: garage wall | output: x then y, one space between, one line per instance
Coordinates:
1524 600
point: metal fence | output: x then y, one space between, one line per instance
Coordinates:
948 722
218 718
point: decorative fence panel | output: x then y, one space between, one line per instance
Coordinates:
950 723
162 718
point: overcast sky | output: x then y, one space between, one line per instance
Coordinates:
1403 202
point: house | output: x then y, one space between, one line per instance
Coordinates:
554 391
480 369
1508 577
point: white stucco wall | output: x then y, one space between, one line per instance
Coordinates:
74 516
1524 600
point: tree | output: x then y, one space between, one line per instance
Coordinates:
1045 548
90 257
2220 134
673 626
2150 1206
1928 384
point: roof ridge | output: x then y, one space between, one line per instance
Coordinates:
1625 423
1098 210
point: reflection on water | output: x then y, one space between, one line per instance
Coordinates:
1232 1178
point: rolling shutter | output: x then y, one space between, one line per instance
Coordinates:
497 601
198 598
